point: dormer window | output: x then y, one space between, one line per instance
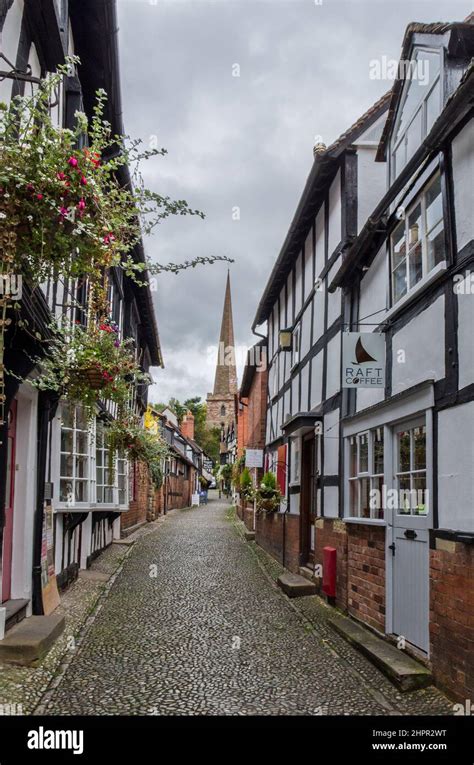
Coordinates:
420 105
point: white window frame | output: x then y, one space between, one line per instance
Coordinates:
423 239
412 473
365 475
296 343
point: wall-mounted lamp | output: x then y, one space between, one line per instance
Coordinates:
285 339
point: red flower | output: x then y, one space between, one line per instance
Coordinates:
82 205
39 196
83 180
72 161
61 176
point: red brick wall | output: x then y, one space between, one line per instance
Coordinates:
138 504
366 574
333 533
248 516
269 535
452 618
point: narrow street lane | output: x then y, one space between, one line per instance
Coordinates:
209 634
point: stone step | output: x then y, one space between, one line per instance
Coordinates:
15 611
28 642
296 586
307 573
404 671
249 535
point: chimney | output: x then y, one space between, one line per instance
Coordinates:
187 425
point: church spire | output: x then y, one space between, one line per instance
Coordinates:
225 381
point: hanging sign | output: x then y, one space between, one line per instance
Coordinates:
254 458
363 360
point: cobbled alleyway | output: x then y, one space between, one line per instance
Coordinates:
211 634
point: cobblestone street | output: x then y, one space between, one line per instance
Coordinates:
211 634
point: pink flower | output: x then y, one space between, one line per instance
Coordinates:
72 161
82 205
61 176
39 196
63 212
83 181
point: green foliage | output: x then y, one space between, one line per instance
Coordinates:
86 366
268 482
246 484
127 435
207 438
268 495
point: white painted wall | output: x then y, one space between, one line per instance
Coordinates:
316 379
304 387
455 468
305 332
333 382
318 317
308 264
334 298
335 228
295 395
463 182
422 341
289 299
320 238
331 443
371 183
465 332
298 283
9 44
331 502
373 288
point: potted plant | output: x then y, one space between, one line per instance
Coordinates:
268 495
246 485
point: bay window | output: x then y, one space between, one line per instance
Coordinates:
85 474
417 242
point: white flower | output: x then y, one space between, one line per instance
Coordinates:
3 215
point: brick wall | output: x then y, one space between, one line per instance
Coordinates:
269 535
333 533
242 426
138 504
366 574
452 617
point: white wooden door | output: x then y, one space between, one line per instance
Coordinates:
411 519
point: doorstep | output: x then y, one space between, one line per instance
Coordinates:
406 673
296 586
28 642
15 612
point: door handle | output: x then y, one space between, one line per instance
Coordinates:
392 548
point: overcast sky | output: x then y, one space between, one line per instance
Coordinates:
242 141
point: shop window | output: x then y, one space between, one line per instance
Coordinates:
75 456
411 470
366 474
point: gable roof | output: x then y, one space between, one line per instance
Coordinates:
324 167
459 43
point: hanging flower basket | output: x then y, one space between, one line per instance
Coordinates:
94 377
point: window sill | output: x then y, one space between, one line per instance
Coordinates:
433 275
90 507
368 521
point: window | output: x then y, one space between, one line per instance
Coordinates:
419 107
417 242
222 410
366 474
296 346
75 452
411 470
85 466
295 460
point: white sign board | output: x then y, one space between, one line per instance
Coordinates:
363 360
254 458
195 500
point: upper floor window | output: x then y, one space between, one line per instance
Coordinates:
222 410
417 242
419 107
75 452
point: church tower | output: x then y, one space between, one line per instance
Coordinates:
222 402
